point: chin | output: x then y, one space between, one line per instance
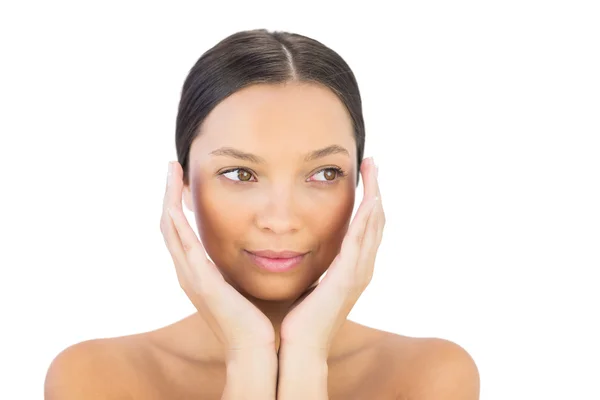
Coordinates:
275 288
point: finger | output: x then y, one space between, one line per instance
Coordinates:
354 236
373 236
369 247
357 227
380 211
379 207
377 182
345 271
374 230
352 240
191 248
369 174
381 220
170 235
365 256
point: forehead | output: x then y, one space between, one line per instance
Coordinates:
287 117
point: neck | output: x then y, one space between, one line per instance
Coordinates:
277 310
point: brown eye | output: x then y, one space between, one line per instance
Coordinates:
241 174
330 174
244 175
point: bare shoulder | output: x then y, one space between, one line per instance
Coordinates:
95 369
432 368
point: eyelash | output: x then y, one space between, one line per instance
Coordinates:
340 173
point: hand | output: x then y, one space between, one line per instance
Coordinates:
317 316
236 322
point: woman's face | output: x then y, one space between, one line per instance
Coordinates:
279 200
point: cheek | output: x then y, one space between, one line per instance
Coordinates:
220 219
221 225
331 223
329 226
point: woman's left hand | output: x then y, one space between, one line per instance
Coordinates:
316 317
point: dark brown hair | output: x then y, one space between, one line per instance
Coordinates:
259 56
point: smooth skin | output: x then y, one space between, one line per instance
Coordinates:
262 335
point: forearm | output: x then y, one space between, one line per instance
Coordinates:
251 376
302 375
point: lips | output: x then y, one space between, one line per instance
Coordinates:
277 254
284 260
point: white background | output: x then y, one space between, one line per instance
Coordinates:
483 116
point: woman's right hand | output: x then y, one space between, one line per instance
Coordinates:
237 323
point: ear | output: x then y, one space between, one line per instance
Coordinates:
187 198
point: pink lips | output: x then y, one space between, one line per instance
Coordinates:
276 261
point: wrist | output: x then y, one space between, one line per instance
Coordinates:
251 375
310 353
266 354
302 373
292 360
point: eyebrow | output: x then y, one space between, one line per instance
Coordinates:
313 155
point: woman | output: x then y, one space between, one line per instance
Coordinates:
270 140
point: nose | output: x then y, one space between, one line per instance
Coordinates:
279 213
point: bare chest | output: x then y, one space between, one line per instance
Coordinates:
360 377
